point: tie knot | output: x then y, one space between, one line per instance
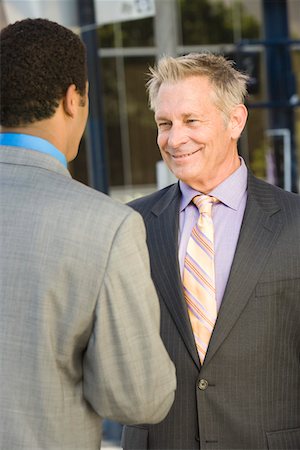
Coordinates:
204 203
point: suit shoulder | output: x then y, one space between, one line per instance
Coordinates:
97 198
95 210
144 204
269 194
282 195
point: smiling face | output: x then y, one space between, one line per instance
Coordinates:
196 142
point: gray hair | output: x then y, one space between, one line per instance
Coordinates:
230 85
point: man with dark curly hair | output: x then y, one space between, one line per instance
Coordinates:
79 321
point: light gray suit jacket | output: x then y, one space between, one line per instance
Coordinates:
79 316
247 393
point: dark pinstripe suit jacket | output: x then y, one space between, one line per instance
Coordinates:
247 393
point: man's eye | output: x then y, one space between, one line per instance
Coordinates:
163 125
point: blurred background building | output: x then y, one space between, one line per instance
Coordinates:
118 153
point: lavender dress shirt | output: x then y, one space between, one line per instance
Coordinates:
227 218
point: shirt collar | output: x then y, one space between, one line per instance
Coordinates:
229 192
32 143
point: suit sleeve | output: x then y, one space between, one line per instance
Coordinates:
128 375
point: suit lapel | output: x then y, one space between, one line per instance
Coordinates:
162 234
259 232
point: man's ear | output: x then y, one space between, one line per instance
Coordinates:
70 100
238 120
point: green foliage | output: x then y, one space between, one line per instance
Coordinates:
205 22
136 33
258 161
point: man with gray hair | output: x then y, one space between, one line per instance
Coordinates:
225 259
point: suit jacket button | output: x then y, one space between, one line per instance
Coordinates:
203 384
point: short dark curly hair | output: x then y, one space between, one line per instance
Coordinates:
40 59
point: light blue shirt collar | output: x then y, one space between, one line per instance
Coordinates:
32 143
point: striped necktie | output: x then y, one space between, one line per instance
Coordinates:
199 276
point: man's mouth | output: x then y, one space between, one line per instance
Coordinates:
184 155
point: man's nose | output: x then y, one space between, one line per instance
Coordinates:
177 136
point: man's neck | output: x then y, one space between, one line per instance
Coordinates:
41 129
